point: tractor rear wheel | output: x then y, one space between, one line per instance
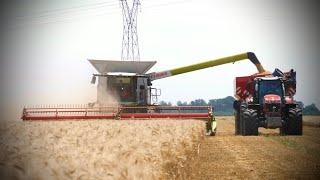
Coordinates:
249 123
293 123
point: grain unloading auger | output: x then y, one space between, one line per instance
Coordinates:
127 84
211 63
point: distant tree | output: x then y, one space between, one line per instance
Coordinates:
198 102
179 103
163 103
311 110
223 106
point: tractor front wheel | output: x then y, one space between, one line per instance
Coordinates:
293 123
249 123
236 108
237 122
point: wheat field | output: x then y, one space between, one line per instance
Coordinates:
95 149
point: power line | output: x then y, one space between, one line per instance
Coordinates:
69 9
87 7
167 4
63 19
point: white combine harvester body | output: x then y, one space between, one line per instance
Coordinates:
123 82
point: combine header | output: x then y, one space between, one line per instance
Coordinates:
121 112
88 112
127 84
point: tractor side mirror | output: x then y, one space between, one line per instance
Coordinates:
93 80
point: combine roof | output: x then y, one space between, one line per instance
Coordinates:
105 66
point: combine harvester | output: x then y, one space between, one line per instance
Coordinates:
126 84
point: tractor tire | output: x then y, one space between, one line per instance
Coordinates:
236 107
293 123
237 122
243 108
249 123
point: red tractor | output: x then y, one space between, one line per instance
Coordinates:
266 100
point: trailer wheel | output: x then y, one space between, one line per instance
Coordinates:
293 124
249 123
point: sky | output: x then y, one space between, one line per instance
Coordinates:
45 45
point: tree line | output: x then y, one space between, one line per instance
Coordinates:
224 106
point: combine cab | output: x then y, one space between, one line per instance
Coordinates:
266 100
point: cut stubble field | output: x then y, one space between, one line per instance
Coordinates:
154 149
267 156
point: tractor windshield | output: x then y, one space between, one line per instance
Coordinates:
270 87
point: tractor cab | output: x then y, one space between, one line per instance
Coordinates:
269 94
268 90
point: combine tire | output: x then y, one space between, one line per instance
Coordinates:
249 123
293 124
